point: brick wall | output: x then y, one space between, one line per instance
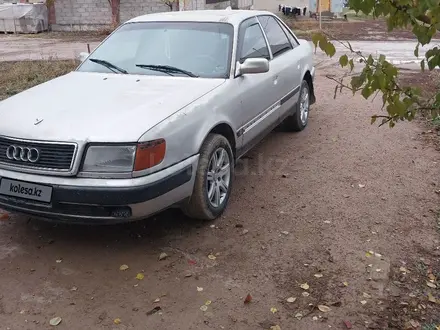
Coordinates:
132 8
75 15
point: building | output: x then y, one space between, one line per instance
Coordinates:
87 15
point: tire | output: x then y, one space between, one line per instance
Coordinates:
296 122
203 203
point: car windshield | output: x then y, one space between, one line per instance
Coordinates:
189 49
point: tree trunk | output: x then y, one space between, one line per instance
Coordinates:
115 12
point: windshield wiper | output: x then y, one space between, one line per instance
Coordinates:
108 65
166 69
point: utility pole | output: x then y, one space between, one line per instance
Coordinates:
320 18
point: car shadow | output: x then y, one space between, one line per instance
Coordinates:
154 232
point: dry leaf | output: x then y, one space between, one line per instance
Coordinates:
348 324
273 310
432 299
248 299
304 286
58 261
55 321
117 321
345 283
403 270
275 327
212 257
163 256
285 232
368 254
291 300
298 316
4 216
140 276
414 324
315 318
431 277
305 294
363 302
203 308
154 310
156 300
366 295
431 285
200 289
361 185
318 275
74 288
208 302
123 267
324 308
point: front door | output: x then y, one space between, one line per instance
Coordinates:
260 92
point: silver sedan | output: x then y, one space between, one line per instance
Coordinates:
155 117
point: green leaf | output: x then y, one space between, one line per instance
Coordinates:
351 63
357 82
381 79
422 65
416 50
367 91
373 119
343 60
316 38
330 49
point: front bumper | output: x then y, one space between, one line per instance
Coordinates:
91 201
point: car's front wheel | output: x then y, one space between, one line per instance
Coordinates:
214 178
298 121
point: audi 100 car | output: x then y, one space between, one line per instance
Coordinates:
155 117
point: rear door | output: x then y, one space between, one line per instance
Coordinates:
286 62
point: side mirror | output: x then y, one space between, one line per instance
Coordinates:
83 56
252 65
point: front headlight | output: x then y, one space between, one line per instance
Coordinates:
109 159
120 159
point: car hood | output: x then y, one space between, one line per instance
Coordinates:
98 107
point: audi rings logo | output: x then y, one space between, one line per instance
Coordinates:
25 154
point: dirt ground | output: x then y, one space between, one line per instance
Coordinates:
343 215
353 29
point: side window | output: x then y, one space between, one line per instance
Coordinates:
276 36
253 44
289 34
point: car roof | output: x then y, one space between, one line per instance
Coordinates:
234 17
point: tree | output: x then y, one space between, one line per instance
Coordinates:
380 77
115 5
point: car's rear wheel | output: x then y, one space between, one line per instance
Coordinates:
214 178
298 121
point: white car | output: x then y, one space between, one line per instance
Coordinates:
155 117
